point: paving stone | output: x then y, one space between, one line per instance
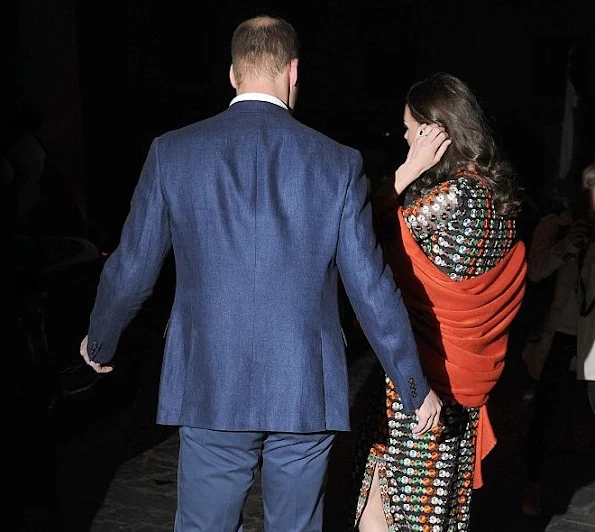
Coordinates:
584 501
563 524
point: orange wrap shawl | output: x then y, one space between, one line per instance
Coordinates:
461 327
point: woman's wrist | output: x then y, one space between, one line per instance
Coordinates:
404 176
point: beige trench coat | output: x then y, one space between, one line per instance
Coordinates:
585 366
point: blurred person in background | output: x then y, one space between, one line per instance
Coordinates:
586 322
562 249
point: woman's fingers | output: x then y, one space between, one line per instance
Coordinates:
434 131
430 131
439 138
441 150
428 148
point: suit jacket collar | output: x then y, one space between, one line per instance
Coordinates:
255 106
259 96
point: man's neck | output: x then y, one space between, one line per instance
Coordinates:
259 96
278 90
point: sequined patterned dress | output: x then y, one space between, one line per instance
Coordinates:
426 482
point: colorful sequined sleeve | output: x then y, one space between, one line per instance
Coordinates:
458 228
427 214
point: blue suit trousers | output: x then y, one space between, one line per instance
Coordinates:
216 470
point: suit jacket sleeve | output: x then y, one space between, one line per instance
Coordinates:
131 271
375 298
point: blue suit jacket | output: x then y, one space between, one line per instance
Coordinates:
264 214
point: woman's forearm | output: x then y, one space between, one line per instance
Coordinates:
404 176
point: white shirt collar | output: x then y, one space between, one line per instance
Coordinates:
258 96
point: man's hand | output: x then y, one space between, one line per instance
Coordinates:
428 414
97 367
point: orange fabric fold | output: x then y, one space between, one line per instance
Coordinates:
461 327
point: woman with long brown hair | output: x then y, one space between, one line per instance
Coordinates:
461 268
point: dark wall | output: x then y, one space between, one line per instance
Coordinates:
40 96
147 66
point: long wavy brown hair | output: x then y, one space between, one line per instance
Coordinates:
444 99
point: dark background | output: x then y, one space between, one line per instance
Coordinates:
99 80
95 82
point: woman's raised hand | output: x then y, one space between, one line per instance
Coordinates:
428 147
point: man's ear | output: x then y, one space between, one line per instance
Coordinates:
293 72
232 77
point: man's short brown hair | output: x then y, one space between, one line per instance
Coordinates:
262 47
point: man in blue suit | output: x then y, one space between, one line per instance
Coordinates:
264 215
